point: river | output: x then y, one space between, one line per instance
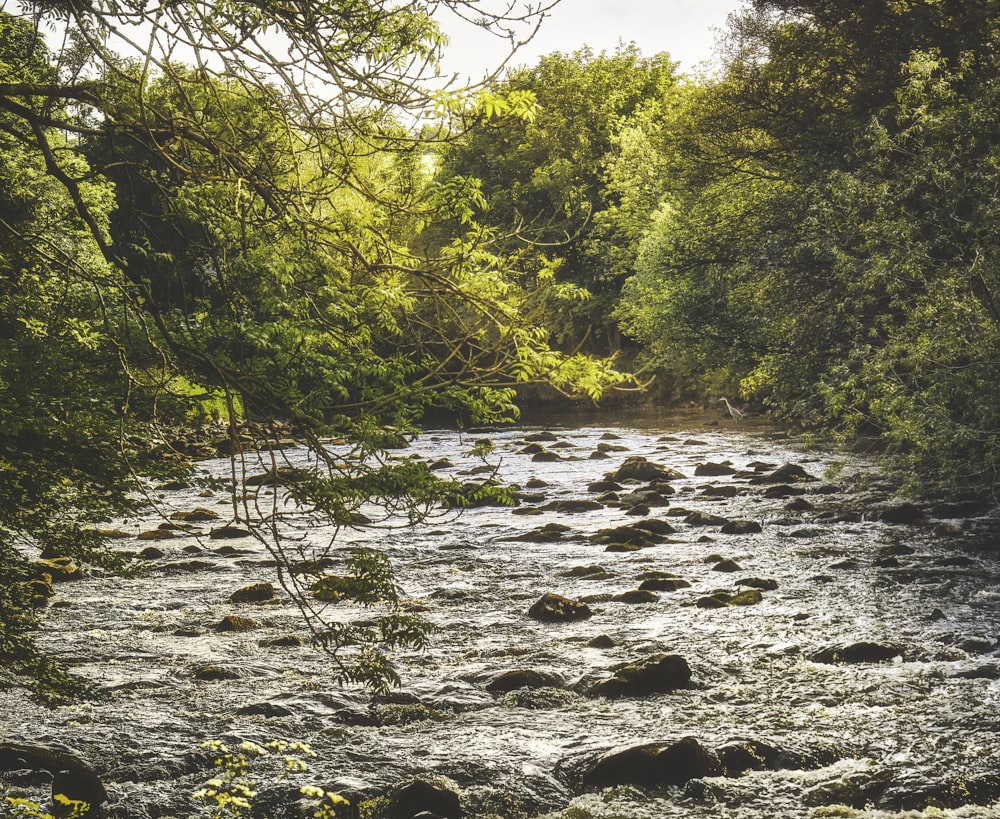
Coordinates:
917 730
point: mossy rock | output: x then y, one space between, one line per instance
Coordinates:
235 623
156 534
523 678
658 674
758 583
667 584
556 608
750 597
57 569
199 515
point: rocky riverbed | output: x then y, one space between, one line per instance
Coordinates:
675 620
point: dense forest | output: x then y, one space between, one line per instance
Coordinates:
264 222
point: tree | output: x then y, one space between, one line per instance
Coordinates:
244 233
545 179
826 250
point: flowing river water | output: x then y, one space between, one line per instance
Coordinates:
915 732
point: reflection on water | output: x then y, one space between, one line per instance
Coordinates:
926 717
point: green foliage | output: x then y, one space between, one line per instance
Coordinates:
222 241
231 792
823 242
545 179
18 808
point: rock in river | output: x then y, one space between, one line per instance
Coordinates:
523 678
256 593
72 777
698 518
789 473
741 527
655 675
860 652
638 468
656 764
556 608
420 798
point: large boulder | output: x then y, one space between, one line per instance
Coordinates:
656 764
654 675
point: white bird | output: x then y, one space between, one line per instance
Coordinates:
735 413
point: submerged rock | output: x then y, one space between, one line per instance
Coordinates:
556 608
916 795
573 507
667 584
739 756
901 513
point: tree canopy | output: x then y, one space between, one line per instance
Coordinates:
223 213
825 245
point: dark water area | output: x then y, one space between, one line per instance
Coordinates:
866 675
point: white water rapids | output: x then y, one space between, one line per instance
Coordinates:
893 730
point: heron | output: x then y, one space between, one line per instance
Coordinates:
735 413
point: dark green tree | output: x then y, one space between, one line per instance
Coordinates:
826 249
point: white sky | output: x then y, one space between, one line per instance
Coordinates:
686 29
